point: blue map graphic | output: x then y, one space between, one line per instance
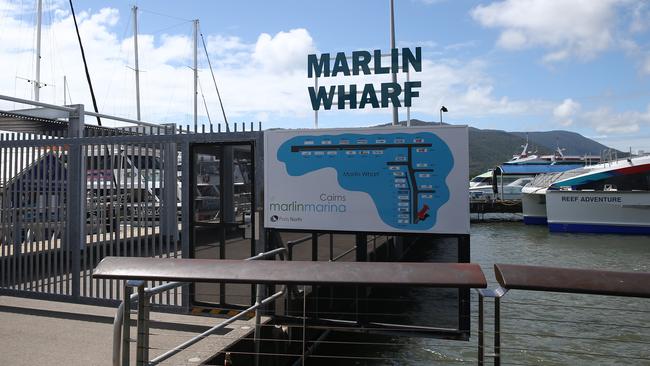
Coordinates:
404 173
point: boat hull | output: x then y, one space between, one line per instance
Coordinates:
619 212
533 207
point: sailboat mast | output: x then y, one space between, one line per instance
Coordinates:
196 71
392 46
37 74
136 64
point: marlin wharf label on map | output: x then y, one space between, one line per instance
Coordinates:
383 180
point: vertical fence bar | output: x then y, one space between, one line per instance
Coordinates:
497 331
142 353
120 185
56 211
145 197
30 171
76 203
137 161
185 212
126 325
259 293
481 334
4 255
63 278
52 219
90 156
131 199
18 202
9 216
314 247
106 204
38 219
6 250
47 229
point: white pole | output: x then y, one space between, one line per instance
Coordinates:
137 65
37 76
196 72
392 46
65 90
408 109
316 111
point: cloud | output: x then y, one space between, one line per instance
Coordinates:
264 79
467 90
640 18
565 111
261 79
604 120
577 28
284 51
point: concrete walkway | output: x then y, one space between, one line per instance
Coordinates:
37 332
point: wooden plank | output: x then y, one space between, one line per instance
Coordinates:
454 275
585 281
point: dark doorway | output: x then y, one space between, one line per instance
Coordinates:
222 186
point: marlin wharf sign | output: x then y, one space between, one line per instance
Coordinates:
361 62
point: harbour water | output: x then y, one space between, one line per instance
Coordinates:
537 328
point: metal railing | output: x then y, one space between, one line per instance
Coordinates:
121 328
285 273
135 203
550 279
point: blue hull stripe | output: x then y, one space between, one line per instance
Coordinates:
535 220
605 229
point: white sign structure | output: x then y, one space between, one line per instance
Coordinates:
390 180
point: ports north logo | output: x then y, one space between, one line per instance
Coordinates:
274 218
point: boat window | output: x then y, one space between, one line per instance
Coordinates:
629 182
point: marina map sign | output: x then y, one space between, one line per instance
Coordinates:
369 180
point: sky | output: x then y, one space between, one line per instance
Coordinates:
514 65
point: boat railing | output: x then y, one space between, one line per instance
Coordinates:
517 278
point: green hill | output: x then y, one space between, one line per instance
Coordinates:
572 143
489 148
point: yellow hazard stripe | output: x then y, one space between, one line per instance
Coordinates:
227 312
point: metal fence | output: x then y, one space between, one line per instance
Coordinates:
72 194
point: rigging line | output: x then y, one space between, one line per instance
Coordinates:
67 88
207 112
163 15
215 83
83 56
170 27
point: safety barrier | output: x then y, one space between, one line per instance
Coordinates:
138 270
552 279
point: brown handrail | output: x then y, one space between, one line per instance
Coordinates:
449 275
584 281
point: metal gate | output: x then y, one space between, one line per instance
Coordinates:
223 181
72 194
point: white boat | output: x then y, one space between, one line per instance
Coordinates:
526 164
608 198
533 195
511 191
